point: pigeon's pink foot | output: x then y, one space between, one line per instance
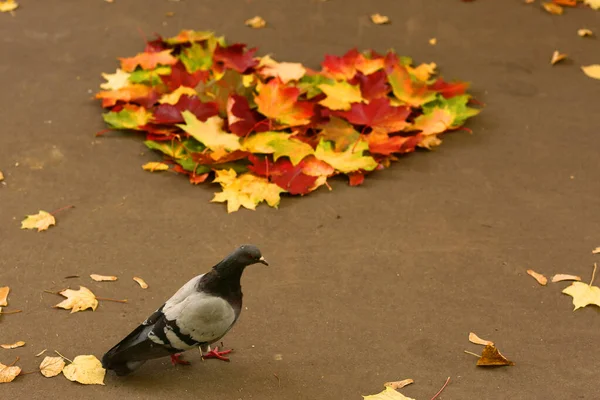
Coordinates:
215 353
176 359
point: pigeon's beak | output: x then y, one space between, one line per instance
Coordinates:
263 261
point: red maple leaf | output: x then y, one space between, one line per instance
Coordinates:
156 45
207 158
343 67
180 77
379 114
384 144
356 178
372 86
242 119
171 114
449 89
236 57
283 174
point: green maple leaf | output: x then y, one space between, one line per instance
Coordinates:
280 144
130 117
456 106
173 149
310 85
209 133
196 58
151 77
350 160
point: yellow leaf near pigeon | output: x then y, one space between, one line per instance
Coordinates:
8 373
4 295
86 370
40 221
388 394
246 190
8 5
155 166
51 366
13 345
593 71
103 278
78 300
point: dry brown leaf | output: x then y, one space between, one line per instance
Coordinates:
4 295
553 8
565 277
557 57
8 373
491 357
593 71
155 166
596 250
41 352
256 22
433 41
584 32
20 343
542 280
40 221
473 338
103 278
398 384
52 366
85 369
379 19
141 282
78 300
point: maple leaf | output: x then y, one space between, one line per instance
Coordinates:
135 93
141 282
398 384
449 89
279 102
293 179
148 60
40 221
209 133
350 160
343 67
171 113
219 90
174 149
149 77
8 5
594 4
130 117
51 366
246 190
196 58
8 373
388 394
309 85
340 95
541 279
86 370
584 32
384 144
115 81
242 120
155 166
285 71
379 114
422 72
593 71
103 278
373 86
174 97
280 144
456 106
4 291
340 132
584 294
491 357
78 300
256 22
435 120
190 36
557 57
408 91
13 345
235 57
179 76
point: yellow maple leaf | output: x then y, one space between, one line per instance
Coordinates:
115 81
86 370
340 95
51 366
594 4
8 373
583 294
435 122
388 394
4 295
78 300
173 97
286 71
350 160
423 71
40 221
209 133
280 144
246 190
155 166
256 22
8 5
379 19
13 345
593 71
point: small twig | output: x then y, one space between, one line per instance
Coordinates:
593 273
473 354
61 209
443 387
14 362
48 291
56 351
278 380
71 276
11 312
115 300
27 373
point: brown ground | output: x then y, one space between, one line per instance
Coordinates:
368 284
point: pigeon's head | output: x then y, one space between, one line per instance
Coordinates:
241 257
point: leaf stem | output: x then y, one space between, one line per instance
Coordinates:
473 354
443 387
11 312
115 300
14 362
56 351
61 209
593 273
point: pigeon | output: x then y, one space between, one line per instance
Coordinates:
198 315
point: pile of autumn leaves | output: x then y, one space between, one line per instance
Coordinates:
264 127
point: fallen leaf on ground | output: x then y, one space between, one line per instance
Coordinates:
103 278
13 345
398 384
433 41
594 4
169 14
1 176
379 19
388 394
491 357
155 166
553 8
115 81
557 57
141 282
4 295
8 5
40 221
596 250
473 338
256 22
584 32
245 190
8 373
542 280
41 352
78 300
565 277
593 71
51 366
86 370
566 3
584 294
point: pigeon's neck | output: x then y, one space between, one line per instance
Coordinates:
224 280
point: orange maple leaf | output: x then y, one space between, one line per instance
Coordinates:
280 102
148 60
127 94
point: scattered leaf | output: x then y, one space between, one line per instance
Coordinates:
387 394
553 8
565 277
7 6
40 221
155 166
148 60
8 373
557 57
1 176
433 41
594 4
491 357
473 338
256 22
141 282
542 280
379 19
78 300
584 32
584 294
566 3
398 384
4 295
41 352
593 71
596 250
13 345
86 370
103 278
52 366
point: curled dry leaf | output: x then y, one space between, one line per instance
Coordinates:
78 300
86 370
103 278
584 32
596 250
141 282
565 277
8 373
52 366
553 8
40 221
433 41
155 166
398 384
491 357
4 295
557 57
379 19
256 22
473 338
8 5
542 280
388 394
593 71
20 343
